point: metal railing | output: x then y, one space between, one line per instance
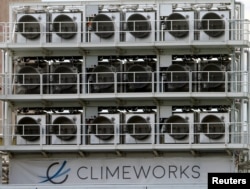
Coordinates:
124 82
84 32
126 133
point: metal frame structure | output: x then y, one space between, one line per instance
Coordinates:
159 52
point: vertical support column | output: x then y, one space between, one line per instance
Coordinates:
2 93
234 69
84 126
164 61
164 112
8 125
7 116
83 76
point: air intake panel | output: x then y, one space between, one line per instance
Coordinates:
138 127
177 77
64 79
103 128
102 79
213 127
177 25
103 26
29 27
213 24
28 128
212 77
64 128
28 79
177 127
138 25
65 26
140 78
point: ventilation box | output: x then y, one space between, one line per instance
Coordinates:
66 27
179 128
32 28
140 26
214 127
139 128
214 26
31 129
105 129
65 129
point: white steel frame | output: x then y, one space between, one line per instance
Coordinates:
237 97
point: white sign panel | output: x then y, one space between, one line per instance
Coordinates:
161 170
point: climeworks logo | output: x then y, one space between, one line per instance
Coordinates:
56 172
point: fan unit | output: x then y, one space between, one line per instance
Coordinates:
64 78
31 129
139 78
214 127
101 79
212 77
140 26
65 129
179 26
31 78
32 28
105 27
179 128
104 129
177 78
139 128
66 27
214 26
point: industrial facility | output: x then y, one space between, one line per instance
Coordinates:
115 94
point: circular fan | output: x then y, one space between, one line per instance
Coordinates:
177 25
103 128
139 75
213 25
64 78
138 26
104 75
29 77
213 127
212 75
103 26
177 126
29 27
138 127
64 26
29 128
177 75
64 128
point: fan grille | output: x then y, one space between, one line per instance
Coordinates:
64 128
138 26
213 25
177 76
213 127
177 126
28 128
177 25
103 26
29 27
64 26
138 127
102 78
103 128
